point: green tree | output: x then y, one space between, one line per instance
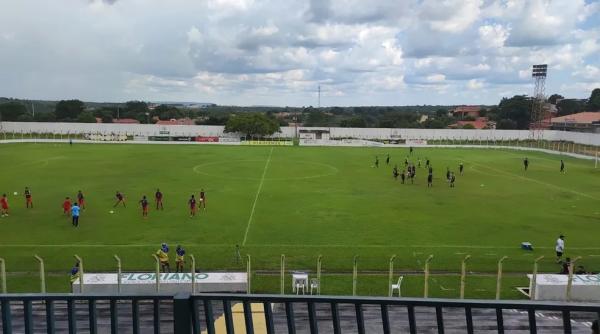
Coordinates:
135 109
68 110
354 122
468 127
516 108
570 106
252 125
554 97
11 111
317 118
594 100
86 117
506 124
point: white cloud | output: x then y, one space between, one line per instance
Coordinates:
277 52
474 84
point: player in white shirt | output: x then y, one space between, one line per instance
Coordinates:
560 247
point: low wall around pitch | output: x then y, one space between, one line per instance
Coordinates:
145 283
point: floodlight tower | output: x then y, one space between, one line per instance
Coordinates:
538 113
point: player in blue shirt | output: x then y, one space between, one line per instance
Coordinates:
75 214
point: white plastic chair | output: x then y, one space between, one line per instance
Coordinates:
300 285
314 285
397 286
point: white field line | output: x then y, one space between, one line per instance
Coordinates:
17 245
260 185
535 181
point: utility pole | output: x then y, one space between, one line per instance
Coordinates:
32 110
319 99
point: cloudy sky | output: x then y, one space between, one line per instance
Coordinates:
277 52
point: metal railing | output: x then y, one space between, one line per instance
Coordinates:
199 313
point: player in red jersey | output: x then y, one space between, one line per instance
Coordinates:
203 199
4 205
192 204
144 204
158 197
28 199
80 199
67 206
120 199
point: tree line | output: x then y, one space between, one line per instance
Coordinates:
510 113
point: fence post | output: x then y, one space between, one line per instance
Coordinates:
42 274
354 275
463 276
391 275
499 278
282 275
249 272
80 260
193 268
3 274
319 258
182 313
534 278
157 272
118 273
570 281
426 284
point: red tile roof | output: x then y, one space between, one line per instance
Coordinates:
479 123
181 121
586 117
126 121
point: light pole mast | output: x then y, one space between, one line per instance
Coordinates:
319 99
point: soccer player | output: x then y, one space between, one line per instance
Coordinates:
412 174
410 150
406 162
163 257
377 161
75 214
430 179
67 206
395 172
28 200
461 168
427 162
158 197
4 205
430 169
144 204
403 176
179 260
120 199
452 179
419 162
526 163
203 199
387 160
447 174
562 166
192 204
560 248
80 200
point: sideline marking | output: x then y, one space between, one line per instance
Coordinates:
260 185
535 181
296 246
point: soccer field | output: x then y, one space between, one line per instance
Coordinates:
301 202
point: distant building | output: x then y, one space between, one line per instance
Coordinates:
588 121
126 121
479 123
466 111
423 118
181 121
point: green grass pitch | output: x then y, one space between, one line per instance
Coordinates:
301 202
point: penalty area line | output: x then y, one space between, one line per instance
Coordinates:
260 185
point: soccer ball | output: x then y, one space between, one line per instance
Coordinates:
111 211
15 193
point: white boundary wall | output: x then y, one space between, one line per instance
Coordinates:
288 132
